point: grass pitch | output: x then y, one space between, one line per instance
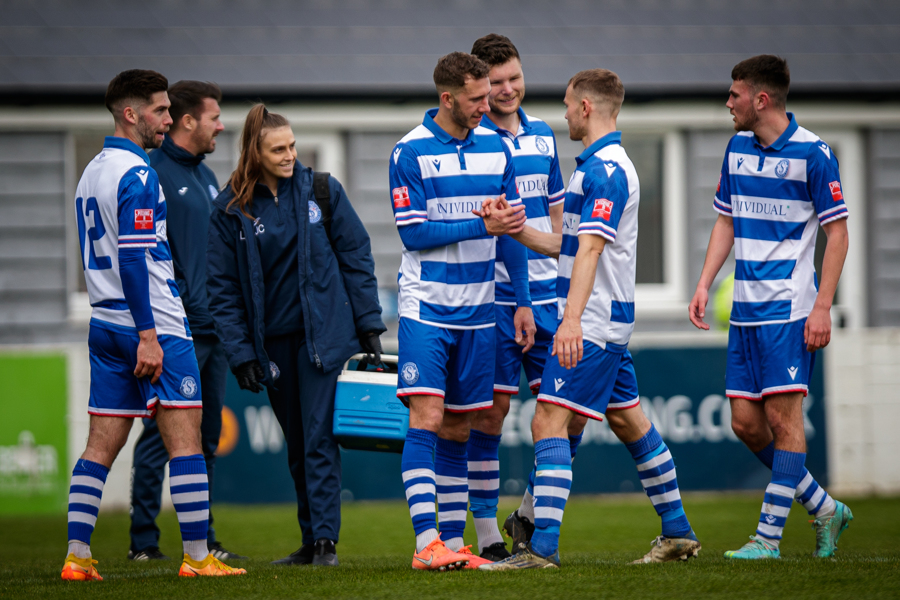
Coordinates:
599 537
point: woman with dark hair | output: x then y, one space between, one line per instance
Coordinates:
293 295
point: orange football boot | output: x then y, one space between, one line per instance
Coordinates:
438 557
208 567
80 569
475 561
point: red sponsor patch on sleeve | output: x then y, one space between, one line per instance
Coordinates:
602 209
835 187
719 185
143 218
401 196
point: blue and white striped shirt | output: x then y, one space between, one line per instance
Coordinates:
777 196
602 199
539 183
435 177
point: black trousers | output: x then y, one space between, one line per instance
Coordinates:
303 402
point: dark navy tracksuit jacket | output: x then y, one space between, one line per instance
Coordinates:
338 297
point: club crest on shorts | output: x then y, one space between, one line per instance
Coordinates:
188 387
274 370
315 213
410 373
542 146
781 169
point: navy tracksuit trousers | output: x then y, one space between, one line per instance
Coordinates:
151 456
303 402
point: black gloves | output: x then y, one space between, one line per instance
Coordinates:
250 376
371 345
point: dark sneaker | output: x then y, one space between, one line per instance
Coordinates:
524 558
495 552
303 556
325 554
221 553
520 529
151 553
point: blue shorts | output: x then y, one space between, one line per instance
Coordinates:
603 380
509 354
766 360
116 392
455 364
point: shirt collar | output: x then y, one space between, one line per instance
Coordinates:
524 124
179 154
442 135
120 143
610 138
784 137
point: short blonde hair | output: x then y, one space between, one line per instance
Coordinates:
602 85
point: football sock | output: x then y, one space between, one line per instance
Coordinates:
656 469
786 468
417 468
809 493
85 492
484 485
451 472
526 509
574 442
552 482
190 495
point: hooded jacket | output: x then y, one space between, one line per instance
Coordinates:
338 290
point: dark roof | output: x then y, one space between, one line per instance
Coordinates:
389 47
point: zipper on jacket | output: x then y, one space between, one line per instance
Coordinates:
278 210
312 329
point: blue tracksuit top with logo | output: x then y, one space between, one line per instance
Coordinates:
189 187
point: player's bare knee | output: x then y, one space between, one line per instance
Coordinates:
490 421
577 425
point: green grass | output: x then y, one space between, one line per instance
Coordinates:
600 535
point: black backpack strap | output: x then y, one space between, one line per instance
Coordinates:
322 192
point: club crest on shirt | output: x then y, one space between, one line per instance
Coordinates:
315 213
542 146
410 373
188 387
213 192
602 209
781 169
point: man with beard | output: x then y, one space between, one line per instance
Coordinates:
524 335
141 352
189 187
778 183
439 173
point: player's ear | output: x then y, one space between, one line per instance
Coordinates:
188 122
447 99
131 115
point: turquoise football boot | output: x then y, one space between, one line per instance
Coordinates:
829 530
756 549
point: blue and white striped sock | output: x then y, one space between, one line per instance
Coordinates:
85 492
484 485
786 468
809 493
552 482
451 472
656 469
189 487
417 468
526 509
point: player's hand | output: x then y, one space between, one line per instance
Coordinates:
502 219
371 345
523 321
568 344
697 308
149 356
250 376
817 333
